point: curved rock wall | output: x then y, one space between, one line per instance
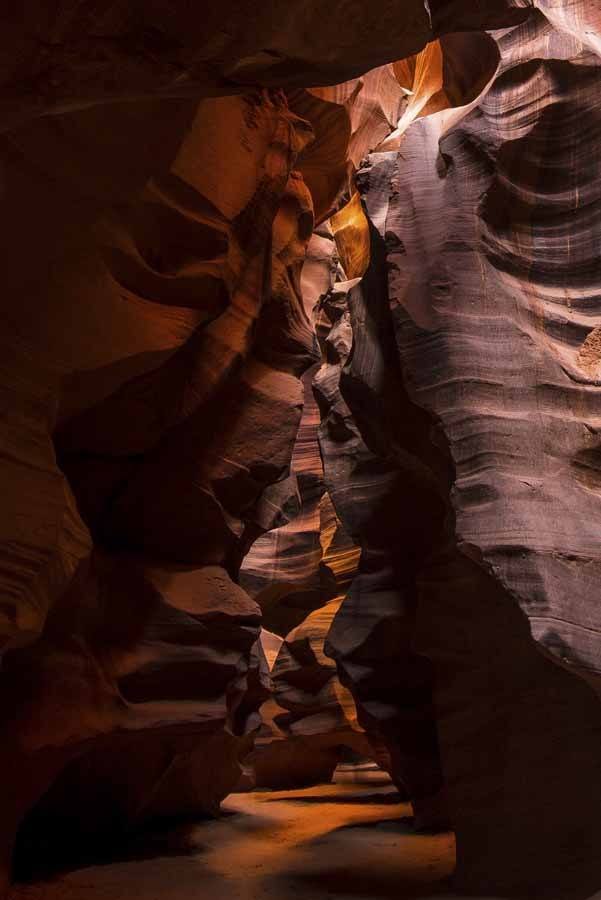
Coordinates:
298 574
161 181
66 57
507 300
136 700
387 482
309 724
490 297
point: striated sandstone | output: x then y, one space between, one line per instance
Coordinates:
490 302
140 643
162 182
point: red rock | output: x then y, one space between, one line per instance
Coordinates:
164 181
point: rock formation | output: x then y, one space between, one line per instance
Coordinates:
283 570
123 558
178 198
309 723
448 367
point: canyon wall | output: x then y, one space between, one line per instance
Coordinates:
140 364
299 573
177 198
463 414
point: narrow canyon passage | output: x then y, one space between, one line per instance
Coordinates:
345 841
300 449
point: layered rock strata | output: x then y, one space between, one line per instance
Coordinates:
284 570
160 191
138 698
309 724
302 571
376 450
488 442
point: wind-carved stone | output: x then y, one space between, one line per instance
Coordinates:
163 181
139 697
490 309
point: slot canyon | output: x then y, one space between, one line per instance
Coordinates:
300 456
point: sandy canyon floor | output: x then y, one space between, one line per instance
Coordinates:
344 841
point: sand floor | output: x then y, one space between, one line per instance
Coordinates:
342 841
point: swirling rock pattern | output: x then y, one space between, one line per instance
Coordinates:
302 571
310 722
162 177
523 260
283 570
139 695
160 730
492 300
376 451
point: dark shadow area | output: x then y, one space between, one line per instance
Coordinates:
43 857
370 882
402 825
389 799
